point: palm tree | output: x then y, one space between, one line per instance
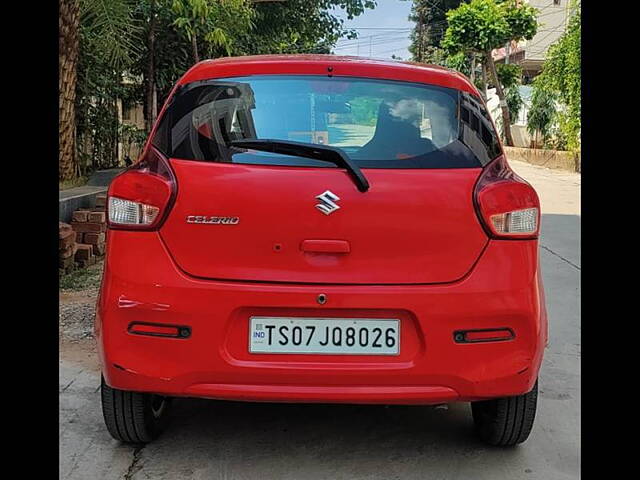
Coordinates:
68 24
108 24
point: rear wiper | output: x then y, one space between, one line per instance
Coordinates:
308 150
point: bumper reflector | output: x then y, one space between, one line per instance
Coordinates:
485 335
159 330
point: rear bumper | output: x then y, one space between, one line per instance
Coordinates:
141 283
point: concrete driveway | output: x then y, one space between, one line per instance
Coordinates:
225 440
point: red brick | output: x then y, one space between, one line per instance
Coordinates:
63 228
99 249
70 251
80 216
94 238
89 227
84 252
66 238
97 217
80 237
101 200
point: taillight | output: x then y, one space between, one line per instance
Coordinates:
141 197
507 205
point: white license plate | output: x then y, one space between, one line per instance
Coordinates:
338 336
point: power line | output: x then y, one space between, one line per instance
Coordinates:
353 41
378 28
382 41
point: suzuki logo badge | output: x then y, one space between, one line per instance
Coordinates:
327 203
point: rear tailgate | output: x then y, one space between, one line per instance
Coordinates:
412 226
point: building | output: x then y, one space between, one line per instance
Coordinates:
553 17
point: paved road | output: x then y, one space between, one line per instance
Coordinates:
224 440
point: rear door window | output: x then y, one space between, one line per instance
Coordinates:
378 123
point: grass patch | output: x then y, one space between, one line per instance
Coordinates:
83 278
75 182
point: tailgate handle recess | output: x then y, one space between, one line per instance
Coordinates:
325 246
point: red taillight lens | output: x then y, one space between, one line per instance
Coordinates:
507 205
140 197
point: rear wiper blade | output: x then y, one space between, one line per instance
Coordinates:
314 151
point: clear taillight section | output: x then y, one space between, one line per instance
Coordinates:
508 207
518 222
126 212
141 197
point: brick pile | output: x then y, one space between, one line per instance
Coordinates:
67 248
90 227
83 242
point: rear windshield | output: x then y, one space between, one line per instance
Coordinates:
378 123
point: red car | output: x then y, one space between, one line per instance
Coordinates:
316 228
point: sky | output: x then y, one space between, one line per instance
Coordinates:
382 32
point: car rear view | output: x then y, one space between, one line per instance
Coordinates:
322 229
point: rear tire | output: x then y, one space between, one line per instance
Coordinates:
133 417
506 421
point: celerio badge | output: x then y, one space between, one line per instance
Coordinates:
327 203
211 220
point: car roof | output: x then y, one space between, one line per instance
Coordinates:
330 65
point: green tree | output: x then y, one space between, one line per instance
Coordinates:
108 43
294 26
99 28
509 76
480 26
431 23
542 112
147 40
69 24
216 22
299 26
561 78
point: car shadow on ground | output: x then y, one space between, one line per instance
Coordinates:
270 440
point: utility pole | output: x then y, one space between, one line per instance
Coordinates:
370 45
420 33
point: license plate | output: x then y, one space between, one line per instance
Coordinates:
337 336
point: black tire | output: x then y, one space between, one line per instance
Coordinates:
134 417
506 421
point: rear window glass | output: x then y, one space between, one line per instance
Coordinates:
378 123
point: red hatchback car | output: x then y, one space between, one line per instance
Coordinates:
315 228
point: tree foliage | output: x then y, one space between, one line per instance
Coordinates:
299 26
215 22
514 102
480 26
431 23
542 111
107 46
483 25
154 42
560 79
509 74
